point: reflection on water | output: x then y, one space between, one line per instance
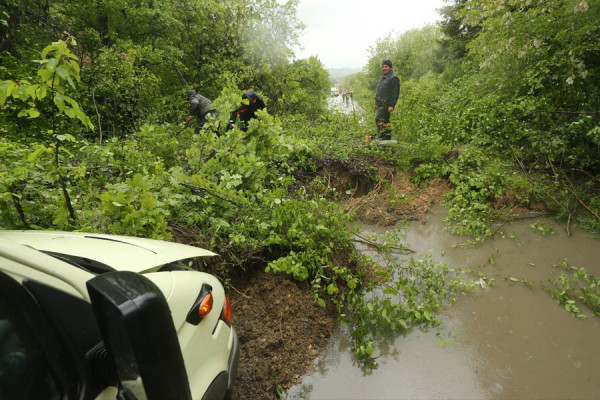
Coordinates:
509 341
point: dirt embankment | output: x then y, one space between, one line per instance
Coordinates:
281 329
396 199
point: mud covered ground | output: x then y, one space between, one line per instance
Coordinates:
281 329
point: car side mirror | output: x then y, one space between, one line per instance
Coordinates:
137 328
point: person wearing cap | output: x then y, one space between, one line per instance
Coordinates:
251 103
200 107
386 97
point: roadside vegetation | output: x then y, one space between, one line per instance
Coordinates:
501 100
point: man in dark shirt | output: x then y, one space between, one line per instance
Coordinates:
386 97
251 103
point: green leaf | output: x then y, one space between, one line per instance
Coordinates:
42 92
47 50
45 74
369 349
31 90
390 290
51 64
427 315
63 71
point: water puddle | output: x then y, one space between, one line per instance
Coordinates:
508 341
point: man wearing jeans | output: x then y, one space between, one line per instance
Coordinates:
386 96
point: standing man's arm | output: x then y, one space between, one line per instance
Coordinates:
395 86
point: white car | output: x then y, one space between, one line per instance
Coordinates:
92 316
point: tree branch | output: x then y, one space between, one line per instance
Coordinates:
579 199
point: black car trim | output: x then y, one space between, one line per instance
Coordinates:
232 365
30 316
84 263
192 316
218 387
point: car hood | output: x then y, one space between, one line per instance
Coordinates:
122 253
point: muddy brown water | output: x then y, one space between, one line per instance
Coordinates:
509 341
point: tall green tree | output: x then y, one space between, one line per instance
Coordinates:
537 65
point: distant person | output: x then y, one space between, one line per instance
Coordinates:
201 108
251 103
386 97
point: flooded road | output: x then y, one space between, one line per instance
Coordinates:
337 103
511 341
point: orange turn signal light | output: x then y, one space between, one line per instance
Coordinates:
205 305
226 313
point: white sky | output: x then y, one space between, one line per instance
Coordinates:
340 32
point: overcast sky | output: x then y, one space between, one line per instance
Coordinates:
340 32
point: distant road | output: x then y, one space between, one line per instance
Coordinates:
337 103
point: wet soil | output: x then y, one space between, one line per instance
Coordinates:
397 200
281 329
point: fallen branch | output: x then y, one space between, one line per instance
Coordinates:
380 247
213 192
579 200
590 175
356 204
243 294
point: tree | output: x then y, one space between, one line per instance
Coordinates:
303 88
537 63
58 67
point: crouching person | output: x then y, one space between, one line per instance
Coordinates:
251 103
201 108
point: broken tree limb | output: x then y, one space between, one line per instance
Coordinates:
579 200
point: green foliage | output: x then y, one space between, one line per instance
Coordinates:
517 81
503 106
136 207
412 297
478 182
543 228
58 67
575 286
314 229
305 88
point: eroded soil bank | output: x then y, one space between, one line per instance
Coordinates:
281 329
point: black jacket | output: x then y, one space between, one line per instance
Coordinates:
388 90
255 103
246 111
